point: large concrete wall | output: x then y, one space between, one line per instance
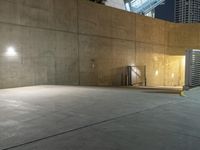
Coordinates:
80 42
44 33
180 38
107 43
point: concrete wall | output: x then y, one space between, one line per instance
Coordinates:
107 43
44 33
180 38
80 42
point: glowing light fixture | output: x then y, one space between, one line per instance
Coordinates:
156 73
11 51
172 75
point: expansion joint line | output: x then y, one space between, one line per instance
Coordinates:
89 125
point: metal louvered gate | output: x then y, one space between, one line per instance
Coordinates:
192 68
136 76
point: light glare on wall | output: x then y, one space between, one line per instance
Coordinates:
183 61
156 73
172 75
11 51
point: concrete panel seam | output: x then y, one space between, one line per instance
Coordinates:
106 37
35 27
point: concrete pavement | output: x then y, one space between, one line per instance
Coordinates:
88 118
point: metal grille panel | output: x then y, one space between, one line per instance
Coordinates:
192 68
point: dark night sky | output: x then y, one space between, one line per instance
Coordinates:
166 12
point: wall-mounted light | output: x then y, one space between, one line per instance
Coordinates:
172 75
10 51
156 73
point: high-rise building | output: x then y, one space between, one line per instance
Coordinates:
187 11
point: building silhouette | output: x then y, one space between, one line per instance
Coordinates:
187 11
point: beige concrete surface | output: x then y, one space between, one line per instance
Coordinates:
80 42
98 118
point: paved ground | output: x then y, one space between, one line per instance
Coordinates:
91 118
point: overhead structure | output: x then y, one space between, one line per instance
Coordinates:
142 6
